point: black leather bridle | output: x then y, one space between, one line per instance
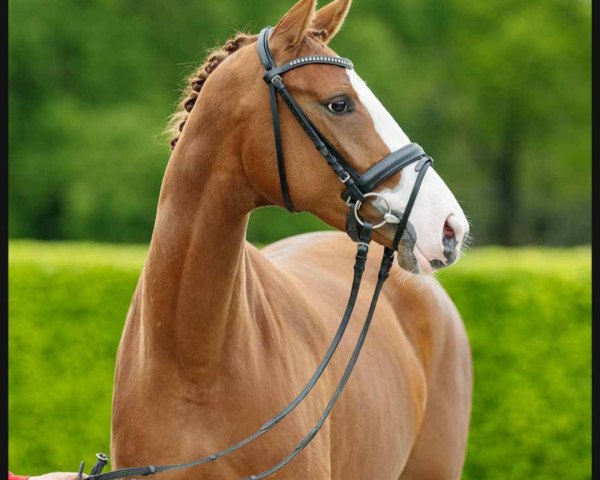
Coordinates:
358 188
357 185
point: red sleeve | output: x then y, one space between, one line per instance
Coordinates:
12 476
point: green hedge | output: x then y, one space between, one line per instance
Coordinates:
527 311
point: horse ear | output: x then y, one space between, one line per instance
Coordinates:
330 18
290 30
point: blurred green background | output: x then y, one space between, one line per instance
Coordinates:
498 92
527 312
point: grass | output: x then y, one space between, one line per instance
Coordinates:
527 312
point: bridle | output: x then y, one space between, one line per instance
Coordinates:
357 186
358 189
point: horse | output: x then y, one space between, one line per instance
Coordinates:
220 335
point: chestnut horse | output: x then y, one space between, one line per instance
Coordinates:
221 335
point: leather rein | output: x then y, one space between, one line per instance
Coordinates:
357 189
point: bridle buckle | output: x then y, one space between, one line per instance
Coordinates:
344 176
276 80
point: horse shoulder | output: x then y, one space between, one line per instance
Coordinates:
428 317
440 341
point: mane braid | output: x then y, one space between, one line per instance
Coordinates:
195 81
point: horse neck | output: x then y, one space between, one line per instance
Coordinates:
195 281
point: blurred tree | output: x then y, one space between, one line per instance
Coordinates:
498 92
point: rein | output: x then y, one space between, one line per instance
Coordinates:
358 189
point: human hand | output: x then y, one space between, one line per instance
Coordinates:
57 476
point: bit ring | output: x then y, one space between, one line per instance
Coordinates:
358 204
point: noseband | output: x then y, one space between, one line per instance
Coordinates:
358 188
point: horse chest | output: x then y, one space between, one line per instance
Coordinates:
378 414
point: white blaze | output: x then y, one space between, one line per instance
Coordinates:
435 202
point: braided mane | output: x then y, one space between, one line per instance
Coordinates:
196 80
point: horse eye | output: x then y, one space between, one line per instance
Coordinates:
339 106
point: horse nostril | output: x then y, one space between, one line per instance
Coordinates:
448 230
453 229
452 234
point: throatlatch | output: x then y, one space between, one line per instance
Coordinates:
358 188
